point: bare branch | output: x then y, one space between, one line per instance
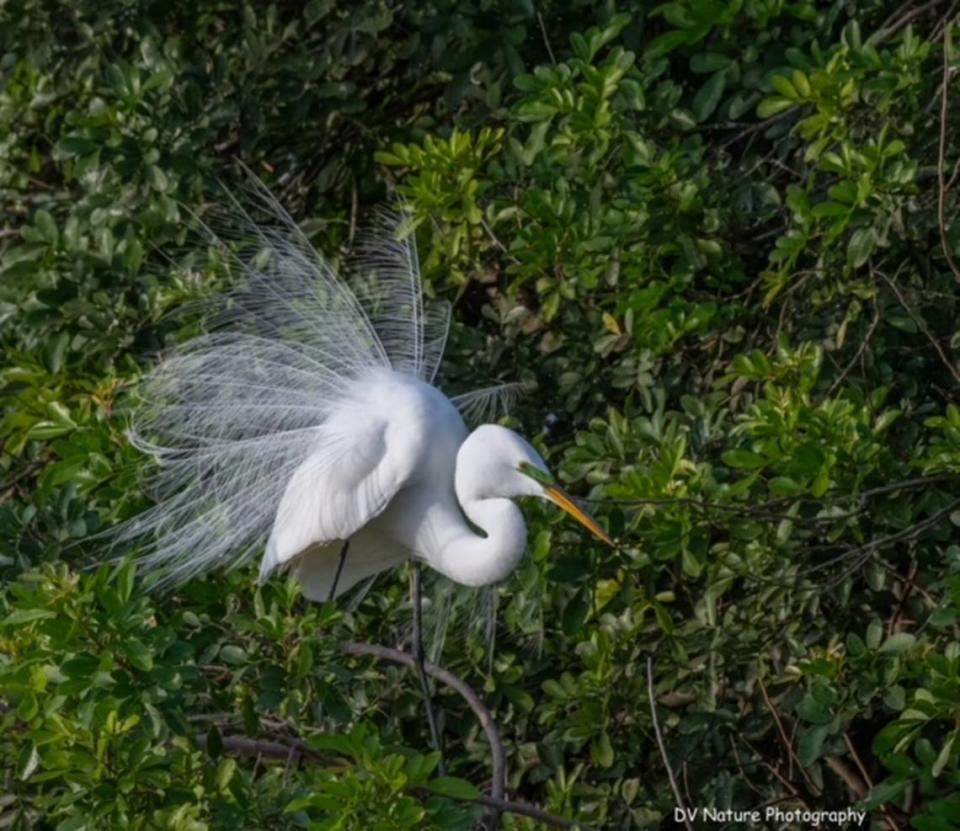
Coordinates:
892 25
942 190
291 750
921 323
850 779
660 744
294 750
863 346
498 761
546 39
786 741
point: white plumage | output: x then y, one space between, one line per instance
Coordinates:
307 418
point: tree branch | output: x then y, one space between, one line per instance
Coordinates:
863 346
942 190
298 749
660 744
498 761
814 790
245 746
922 324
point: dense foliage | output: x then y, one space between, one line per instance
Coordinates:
715 242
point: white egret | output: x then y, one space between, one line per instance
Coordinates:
308 418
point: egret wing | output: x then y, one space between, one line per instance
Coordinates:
348 479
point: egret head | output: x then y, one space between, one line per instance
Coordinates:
495 461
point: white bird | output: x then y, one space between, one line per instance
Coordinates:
308 417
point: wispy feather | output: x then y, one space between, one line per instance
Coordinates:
231 414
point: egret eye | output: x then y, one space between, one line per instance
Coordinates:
539 476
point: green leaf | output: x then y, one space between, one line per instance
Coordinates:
45 224
601 750
943 757
802 84
60 414
812 710
885 419
855 645
138 654
28 762
692 563
666 43
225 772
708 96
898 643
810 744
452 787
232 654
157 178
785 486
706 62
861 245
830 208
43 430
76 145
784 86
126 579
575 613
21 616
772 106
743 459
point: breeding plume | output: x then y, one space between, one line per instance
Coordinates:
307 420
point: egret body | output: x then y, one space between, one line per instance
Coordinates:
307 418
414 483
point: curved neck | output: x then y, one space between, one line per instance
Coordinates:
480 559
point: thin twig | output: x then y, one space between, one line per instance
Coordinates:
759 126
850 779
786 741
748 510
891 822
494 238
857 760
942 191
890 28
294 749
922 324
918 589
417 647
863 346
901 602
660 744
863 553
546 39
354 203
776 772
793 737
944 21
743 773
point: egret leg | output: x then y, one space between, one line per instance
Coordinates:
336 577
420 656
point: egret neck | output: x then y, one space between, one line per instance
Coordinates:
489 557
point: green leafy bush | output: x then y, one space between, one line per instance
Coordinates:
716 243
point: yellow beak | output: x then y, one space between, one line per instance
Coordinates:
561 498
